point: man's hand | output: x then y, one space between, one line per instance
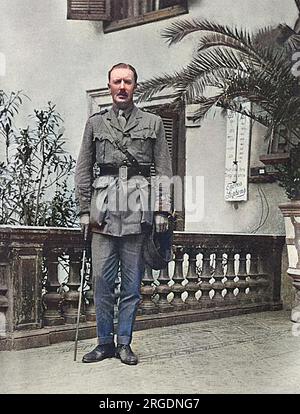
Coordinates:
85 223
161 223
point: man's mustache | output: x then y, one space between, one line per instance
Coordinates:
123 94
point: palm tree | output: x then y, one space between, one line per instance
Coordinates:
238 65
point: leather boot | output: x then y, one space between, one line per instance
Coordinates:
99 353
126 355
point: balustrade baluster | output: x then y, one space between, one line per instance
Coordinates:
163 290
71 297
52 299
177 288
230 284
147 306
242 283
193 280
205 285
253 275
218 286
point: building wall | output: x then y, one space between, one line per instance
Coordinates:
259 214
51 58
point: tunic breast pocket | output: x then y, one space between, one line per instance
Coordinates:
104 147
142 143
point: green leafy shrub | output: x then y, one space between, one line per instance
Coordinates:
36 171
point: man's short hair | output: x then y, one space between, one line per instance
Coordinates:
124 66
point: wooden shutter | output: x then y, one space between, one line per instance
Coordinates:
170 121
169 129
175 135
89 10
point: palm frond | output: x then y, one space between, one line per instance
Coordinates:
292 44
260 89
290 112
254 67
221 68
264 120
285 31
226 103
187 80
206 104
257 115
262 36
147 89
217 77
181 28
279 36
272 36
212 59
220 40
271 60
276 64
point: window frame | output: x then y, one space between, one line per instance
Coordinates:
166 13
275 155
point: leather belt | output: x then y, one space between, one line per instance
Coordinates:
128 171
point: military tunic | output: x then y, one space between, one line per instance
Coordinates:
120 207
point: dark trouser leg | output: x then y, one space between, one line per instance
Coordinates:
105 262
132 270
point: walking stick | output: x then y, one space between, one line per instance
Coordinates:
82 276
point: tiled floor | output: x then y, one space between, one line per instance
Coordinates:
256 354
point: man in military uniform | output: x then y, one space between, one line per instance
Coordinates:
112 181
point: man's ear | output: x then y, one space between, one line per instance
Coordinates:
108 85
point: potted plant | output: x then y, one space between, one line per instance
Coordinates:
231 65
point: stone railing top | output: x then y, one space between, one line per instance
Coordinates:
237 240
9 227
47 229
73 237
196 233
39 234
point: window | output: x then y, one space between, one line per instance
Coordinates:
278 148
120 14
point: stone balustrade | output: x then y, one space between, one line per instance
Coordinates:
211 276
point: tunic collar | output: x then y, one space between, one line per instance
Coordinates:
127 111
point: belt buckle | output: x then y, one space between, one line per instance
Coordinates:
123 172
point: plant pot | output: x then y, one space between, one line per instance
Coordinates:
291 213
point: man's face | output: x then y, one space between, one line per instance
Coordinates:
122 87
